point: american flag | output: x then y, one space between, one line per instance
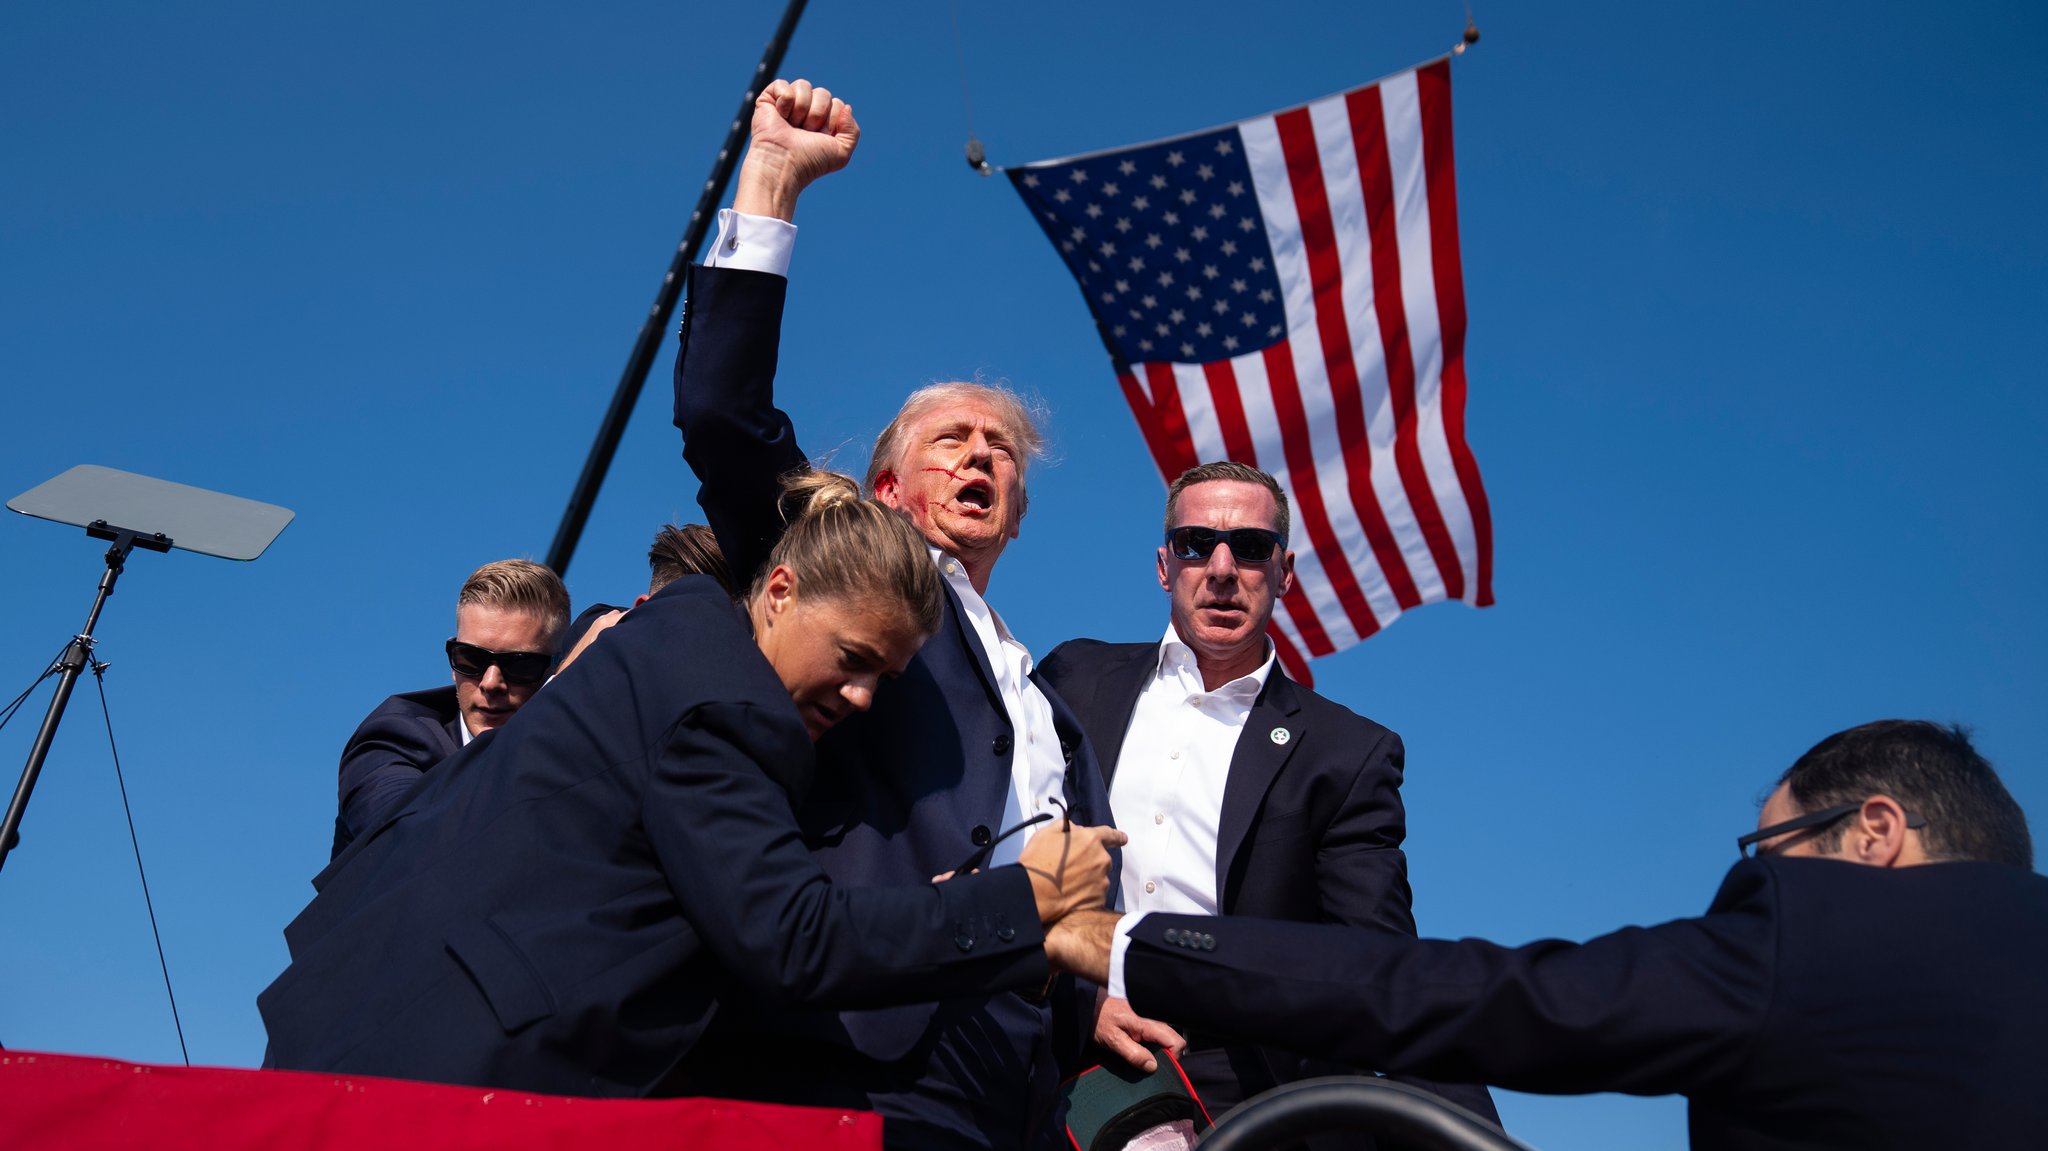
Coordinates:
1286 292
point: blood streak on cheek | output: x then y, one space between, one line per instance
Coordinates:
950 474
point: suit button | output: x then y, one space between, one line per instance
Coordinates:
1208 943
963 937
981 835
1172 935
1002 745
1004 931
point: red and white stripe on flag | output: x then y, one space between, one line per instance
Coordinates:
1286 292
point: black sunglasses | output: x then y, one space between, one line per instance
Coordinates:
518 667
1812 821
1247 545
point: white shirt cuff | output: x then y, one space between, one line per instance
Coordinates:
1117 947
751 243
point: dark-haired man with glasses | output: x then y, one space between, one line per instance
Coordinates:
1869 976
1243 793
509 617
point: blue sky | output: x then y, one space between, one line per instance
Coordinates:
1756 387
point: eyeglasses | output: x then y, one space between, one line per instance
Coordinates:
1247 545
1750 845
522 668
981 853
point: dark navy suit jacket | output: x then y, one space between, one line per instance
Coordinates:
1817 1004
1310 830
559 905
393 746
905 791
581 624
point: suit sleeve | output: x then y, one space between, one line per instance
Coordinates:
736 441
1649 1011
382 762
1361 872
725 836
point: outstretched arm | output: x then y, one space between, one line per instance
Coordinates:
1650 1011
735 439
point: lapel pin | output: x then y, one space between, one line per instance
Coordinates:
1281 736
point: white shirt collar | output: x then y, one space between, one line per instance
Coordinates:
956 574
1177 661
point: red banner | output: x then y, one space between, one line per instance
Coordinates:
78 1103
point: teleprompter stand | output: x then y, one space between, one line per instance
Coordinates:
134 512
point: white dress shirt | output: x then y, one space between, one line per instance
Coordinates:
1038 768
1167 794
751 243
1168 791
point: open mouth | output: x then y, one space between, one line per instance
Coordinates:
976 496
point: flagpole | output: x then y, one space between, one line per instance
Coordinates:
648 344
975 160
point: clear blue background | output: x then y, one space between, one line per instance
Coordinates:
1756 300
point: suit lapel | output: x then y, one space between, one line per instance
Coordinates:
976 657
1113 700
1256 762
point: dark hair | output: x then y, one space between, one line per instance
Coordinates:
1932 771
688 550
1236 473
849 549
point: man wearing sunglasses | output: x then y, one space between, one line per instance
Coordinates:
1870 975
1243 792
508 618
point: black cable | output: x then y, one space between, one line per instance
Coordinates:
977 156
14 705
99 677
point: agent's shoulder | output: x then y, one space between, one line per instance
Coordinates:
1324 711
1088 656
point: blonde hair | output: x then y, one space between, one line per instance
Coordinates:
844 547
519 586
